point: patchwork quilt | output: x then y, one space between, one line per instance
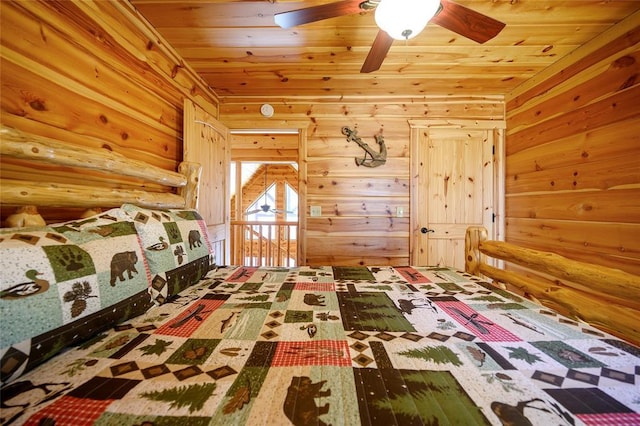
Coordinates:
340 346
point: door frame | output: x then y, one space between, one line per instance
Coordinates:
498 128
275 127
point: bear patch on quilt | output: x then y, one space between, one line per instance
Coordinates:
176 246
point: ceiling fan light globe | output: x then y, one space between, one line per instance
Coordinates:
405 19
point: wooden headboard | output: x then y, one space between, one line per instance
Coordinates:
170 189
606 298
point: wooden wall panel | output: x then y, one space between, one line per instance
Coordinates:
596 206
359 205
573 154
360 224
343 166
94 74
266 147
32 96
617 140
602 243
607 173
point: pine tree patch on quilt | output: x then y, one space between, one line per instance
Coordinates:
176 246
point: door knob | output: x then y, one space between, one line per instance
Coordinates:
426 230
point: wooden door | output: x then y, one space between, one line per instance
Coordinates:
453 172
206 142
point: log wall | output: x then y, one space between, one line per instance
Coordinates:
573 154
359 223
94 74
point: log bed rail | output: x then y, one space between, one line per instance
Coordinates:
606 298
182 191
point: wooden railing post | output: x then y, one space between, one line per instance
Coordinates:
260 243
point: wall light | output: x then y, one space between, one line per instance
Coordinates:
405 19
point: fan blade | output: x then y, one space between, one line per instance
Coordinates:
297 17
252 212
466 22
378 52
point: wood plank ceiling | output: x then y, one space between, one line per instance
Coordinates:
239 50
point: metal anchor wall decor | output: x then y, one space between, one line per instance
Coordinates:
371 158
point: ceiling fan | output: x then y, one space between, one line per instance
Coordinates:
266 208
399 20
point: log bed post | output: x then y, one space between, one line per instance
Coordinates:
191 190
473 257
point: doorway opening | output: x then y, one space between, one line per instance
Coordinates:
265 217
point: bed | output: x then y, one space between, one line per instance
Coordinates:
213 344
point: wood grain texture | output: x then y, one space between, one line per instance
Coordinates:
615 319
18 193
573 157
206 142
191 191
240 50
604 243
378 227
616 140
597 279
82 194
392 108
619 206
604 297
18 144
95 75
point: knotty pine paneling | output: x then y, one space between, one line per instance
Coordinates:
92 73
607 243
360 205
36 97
359 223
573 154
348 186
379 226
616 140
607 173
588 117
595 206
266 147
242 52
346 166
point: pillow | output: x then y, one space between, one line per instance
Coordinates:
176 246
61 284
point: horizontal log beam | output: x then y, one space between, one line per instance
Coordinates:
20 192
18 144
612 318
599 279
606 298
